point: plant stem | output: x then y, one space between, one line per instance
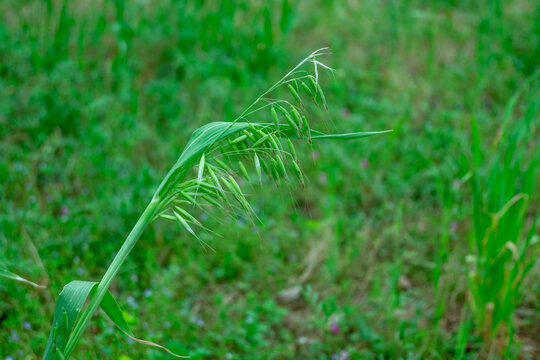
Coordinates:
103 286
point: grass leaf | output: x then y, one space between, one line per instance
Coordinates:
69 306
10 275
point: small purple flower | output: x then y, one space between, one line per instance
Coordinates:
131 301
334 327
167 292
26 325
344 355
147 293
197 320
64 210
453 226
335 356
9 358
14 336
365 163
130 341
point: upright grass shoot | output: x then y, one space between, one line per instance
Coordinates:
504 247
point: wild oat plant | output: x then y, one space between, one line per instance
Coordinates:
206 174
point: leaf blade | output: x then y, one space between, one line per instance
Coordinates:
68 307
11 275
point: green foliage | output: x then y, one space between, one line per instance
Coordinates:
69 306
505 246
95 100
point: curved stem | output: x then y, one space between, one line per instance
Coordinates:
105 283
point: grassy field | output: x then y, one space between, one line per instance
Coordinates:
417 244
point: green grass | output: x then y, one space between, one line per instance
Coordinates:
505 245
97 100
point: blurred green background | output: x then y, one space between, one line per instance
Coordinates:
97 100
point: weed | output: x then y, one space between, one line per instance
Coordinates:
505 247
215 187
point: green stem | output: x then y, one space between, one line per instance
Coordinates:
105 283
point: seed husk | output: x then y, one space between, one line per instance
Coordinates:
228 185
306 128
222 164
211 190
261 140
212 201
275 169
249 135
184 223
238 139
188 215
282 110
205 185
306 89
321 94
265 168
235 148
243 170
214 178
294 93
316 87
293 125
235 184
261 133
275 143
201 169
168 217
282 169
296 116
190 198
275 118
313 83
298 172
237 193
292 149
258 167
